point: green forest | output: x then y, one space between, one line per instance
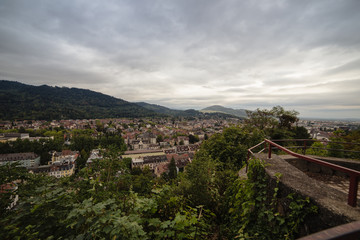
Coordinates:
21 101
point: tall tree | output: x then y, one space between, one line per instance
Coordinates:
172 169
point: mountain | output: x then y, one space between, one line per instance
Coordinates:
189 113
21 101
241 113
161 110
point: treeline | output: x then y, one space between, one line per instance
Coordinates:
42 147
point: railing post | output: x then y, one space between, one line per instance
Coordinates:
269 154
352 197
247 161
264 145
304 150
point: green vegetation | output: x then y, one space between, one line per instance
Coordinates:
277 123
348 141
241 113
41 147
261 212
191 113
108 200
21 101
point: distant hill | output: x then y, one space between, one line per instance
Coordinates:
241 113
21 101
161 110
189 113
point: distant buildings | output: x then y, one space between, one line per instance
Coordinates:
62 164
157 160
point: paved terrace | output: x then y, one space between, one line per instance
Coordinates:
326 188
334 179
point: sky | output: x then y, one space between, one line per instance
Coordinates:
302 55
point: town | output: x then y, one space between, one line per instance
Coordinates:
149 142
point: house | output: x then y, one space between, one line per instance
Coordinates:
27 160
56 169
181 160
62 169
146 157
149 161
95 154
64 156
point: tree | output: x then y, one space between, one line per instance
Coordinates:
229 149
172 169
113 140
159 138
285 118
193 139
81 142
277 117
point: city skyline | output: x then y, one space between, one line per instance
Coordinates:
184 54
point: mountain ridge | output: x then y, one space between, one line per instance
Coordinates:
19 101
23 101
241 113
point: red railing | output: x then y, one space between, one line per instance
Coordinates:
354 175
306 146
349 231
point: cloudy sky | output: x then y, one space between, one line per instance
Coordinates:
303 55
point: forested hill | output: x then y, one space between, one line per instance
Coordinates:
162 110
21 101
189 113
241 113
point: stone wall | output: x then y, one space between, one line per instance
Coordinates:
332 204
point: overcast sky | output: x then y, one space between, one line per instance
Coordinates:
303 55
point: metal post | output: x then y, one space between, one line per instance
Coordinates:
269 154
247 161
353 190
304 150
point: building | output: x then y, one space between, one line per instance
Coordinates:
95 154
4 137
27 160
57 169
62 170
149 161
142 158
64 156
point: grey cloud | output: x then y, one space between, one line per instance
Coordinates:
146 50
347 67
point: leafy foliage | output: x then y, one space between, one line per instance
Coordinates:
109 200
256 210
268 120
